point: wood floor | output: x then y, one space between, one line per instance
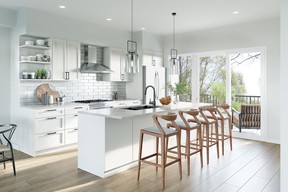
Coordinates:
251 166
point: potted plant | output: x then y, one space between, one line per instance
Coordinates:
180 88
43 74
38 74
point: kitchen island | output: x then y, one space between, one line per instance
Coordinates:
108 138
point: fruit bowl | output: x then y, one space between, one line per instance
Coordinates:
165 100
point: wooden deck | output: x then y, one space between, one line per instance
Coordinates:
251 166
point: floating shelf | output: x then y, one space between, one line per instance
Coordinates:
35 47
35 62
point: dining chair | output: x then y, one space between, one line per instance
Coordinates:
7 132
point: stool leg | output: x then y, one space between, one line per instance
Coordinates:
188 150
207 142
13 160
222 135
217 139
3 157
157 151
230 132
163 163
179 154
200 139
140 154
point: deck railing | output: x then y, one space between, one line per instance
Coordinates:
245 99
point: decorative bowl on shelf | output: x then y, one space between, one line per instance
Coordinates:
165 100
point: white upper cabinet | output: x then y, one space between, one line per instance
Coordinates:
114 58
66 59
152 58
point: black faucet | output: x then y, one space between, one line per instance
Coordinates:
154 95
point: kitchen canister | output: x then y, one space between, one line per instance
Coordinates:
50 100
44 99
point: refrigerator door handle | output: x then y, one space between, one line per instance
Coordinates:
157 84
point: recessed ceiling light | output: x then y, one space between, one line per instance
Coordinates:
109 19
62 7
143 28
235 12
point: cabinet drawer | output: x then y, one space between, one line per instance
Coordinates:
75 110
49 112
71 121
49 124
49 140
71 136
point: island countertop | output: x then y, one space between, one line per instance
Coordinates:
120 113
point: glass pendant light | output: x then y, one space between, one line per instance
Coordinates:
174 62
132 57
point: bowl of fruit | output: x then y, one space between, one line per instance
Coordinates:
165 100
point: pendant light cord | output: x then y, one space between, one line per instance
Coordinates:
173 30
132 20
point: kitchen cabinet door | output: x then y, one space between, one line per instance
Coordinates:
59 58
66 59
72 59
114 58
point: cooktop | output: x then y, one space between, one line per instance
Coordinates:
92 101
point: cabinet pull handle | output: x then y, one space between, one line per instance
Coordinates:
76 129
49 110
76 115
78 107
53 133
50 118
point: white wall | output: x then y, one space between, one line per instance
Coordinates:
283 96
264 33
5 75
8 17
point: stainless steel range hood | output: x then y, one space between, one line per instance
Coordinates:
91 63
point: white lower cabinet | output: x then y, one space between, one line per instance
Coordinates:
49 140
44 130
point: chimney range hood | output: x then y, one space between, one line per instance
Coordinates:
90 62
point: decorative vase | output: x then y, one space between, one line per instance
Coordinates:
176 99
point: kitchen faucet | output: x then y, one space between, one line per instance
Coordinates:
154 95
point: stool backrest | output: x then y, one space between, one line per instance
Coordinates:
171 117
192 112
224 107
209 109
7 132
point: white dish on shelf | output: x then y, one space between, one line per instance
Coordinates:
40 42
29 42
32 58
24 58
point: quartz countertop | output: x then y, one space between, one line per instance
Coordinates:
120 113
39 106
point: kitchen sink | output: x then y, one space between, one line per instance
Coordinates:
141 107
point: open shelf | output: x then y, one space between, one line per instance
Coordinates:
35 47
35 62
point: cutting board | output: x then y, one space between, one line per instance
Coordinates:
43 88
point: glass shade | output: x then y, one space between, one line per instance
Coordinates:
174 66
132 63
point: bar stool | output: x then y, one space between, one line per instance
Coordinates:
163 134
209 138
224 115
195 145
7 132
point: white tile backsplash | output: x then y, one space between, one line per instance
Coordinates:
85 88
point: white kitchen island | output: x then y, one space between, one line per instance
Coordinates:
108 139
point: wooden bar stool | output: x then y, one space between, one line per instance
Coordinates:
210 138
191 146
163 134
222 114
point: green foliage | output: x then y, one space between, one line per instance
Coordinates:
43 73
218 90
236 105
179 88
38 73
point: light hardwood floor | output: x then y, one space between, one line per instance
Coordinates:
251 166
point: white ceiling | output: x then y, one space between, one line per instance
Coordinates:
156 15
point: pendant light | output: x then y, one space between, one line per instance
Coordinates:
174 62
132 57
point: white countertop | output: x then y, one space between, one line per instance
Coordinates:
39 106
120 113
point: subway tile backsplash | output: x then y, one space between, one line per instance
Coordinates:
87 87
